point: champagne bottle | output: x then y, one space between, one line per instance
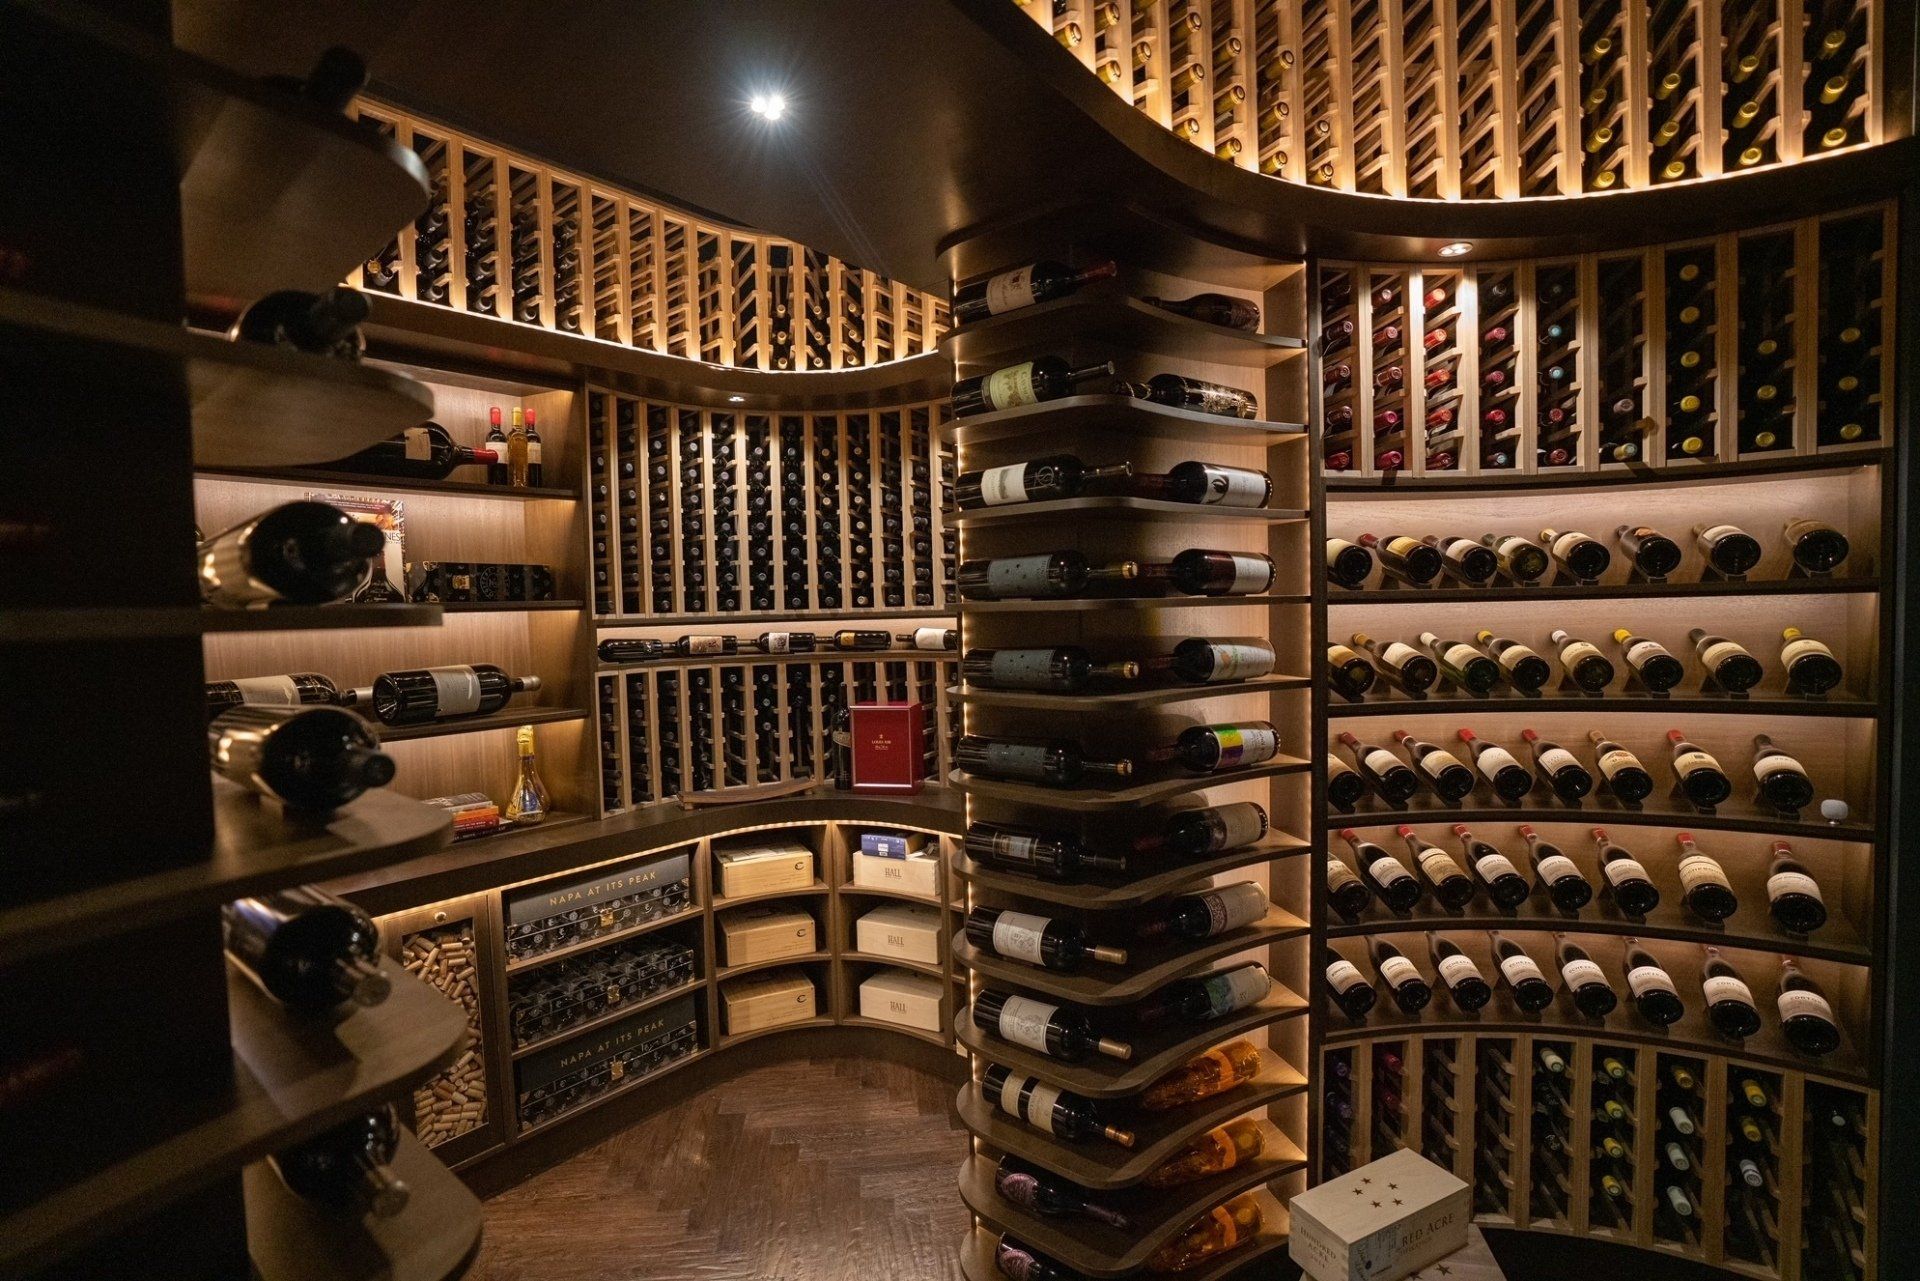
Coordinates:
1648 550
1730 1005
306 948
1467 562
1405 557
1207 914
1049 855
1451 781
1505 886
1654 995
1522 561
1050 1196
1806 1019
1197 833
1657 669
308 758
1625 777
1348 672
1727 662
1562 770
1409 988
308 689
1398 888
1585 981
1452 887
1793 896
1347 894
1212 309
1048 1108
1214 1233
1216 749
1202 1000
1625 879
1220 1069
1468 990
1783 780
426 694
1510 779
300 553
1052 1030
529 803
1584 558
1037 940
349 1167
1048 762
1559 875
1531 991
1388 774
1027 383
1700 777
1054 575
1345 787
1810 666
1525 670
1024 286
1463 665
1060 669
1348 564
1348 987
1728 549
1817 547
1583 662
1220 1149
323 324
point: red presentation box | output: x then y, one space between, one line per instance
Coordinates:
889 747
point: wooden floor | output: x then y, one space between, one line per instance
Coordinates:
821 1169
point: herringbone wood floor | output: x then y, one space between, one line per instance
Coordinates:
821 1169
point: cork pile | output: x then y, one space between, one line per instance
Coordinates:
454 1102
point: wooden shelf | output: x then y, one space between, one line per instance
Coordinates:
1632 702
816 957
755 617
257 847
1149 967
892 962
1154 1054
1106 895
59 625
514 606
1677 474
1122 416
319 618
814 890
1603 811
817 656
1161 785
309 477
512 718
735 1038
904 896
1122 507
1124 700
1107 316
1602 591
611 1016
881 1025
1158 1135
433 1238
976 1252
691 912
1105 604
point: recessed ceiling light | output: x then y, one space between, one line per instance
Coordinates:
768 106
1455 249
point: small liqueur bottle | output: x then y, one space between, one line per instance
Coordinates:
529 804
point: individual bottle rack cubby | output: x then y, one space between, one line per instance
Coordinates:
1509 98
510 237
1757 345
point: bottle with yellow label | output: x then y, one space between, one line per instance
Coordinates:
528 804
1223 1228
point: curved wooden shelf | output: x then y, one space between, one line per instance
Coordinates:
1119 507
814 890
512 718
737 1038
1630 702
1154 1054
892 962
818 956
1109 316
308 477
1602 811
1149 968
1155 1215
904 896
1126 700
1158 1135
881 1025
514 606
319 618
1103 604
433 1238
976 1252
1603 591
1105 895
1119 415
611 1016
1149 791
1675 475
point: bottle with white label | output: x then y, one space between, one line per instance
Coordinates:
1705 888
1465 667
1345 787
1199 571
1205 485
1038 940
1810 666
1624 878
1397 887
1048 1108
1505 886
1649 660
1620 770
1452 887
1654 995
1585 981
1027 383
1210 997
1465 561
1405 557
1510 779
1468 990
1348 672
924 638
1410 989
1560 768
1585 665
1390 776
1451 781
1348 564
1404 665
1530 989
1525 670
1559 875
1037 480
1697 773
1348 987
1793 896
1522 561
440 693
1198 833
1200 660
1729 550
1584 558
1207 914
1727 662
1817 547
1730 1005
1806 1019
1347 894
295 690
1783 780
1052 1030
1023 286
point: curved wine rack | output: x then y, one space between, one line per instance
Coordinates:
1491 99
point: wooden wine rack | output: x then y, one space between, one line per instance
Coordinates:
1491 99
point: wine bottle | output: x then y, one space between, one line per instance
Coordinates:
536 468
1463 665
497 471
1214 1233
1038 940
1204 999
1049 762
1451 781
1220 1069
1347 987
1027 383
1531 991
1207 914
1039 480
1817 547
1215 749
1452 887
1730 1005
932 639
300 553
1648 550
1205 484
1015 1259
1622 771
1220 1149
1200 661
1654 995
1793 896
1783 780
1347 894
1729 550
306 948
1391 777
1584 558
1405 665
1198 833
1048 1108
1465 986
1213 309
1052 1030
1398 888
1023 286
1510 779
1410 990
1560 768
1199 572
308 758
1181 392
1526 671
528 804
1705 889
1699 776
1558 875
348 1168
1727 662
1585 981
1061 669
1049 855
426 694
1348 564
1806 1019
1054 575
1811 667
865 640
1657 669
1523 562
1625 878
308 689
1583 662
1465 561
1505 886
1050 1196
338 74
1405 557
323 324
633 651
425 452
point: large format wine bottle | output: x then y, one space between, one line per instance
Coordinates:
1465 985
425 452
1398 888
1019 287
306 948
348 1168
1509 778
302 553
1048 1108
1049 762
1624 877
441 693
1390 776
1699 775
1198 833
1060 669
295 690
1053 1030
1793 896
1783 780
1214 749
1654 995
1559 875
1200 572
1054 575
1027 383
1202 1000
1206 914
1347 987
1526 671
325 324
309 758
1038 940
1048 1195
1730 1005
1051 855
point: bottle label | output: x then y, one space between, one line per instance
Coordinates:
1640 651
1793 651
1797 1002
1018 575
1245 744
1715 654
1250 574
1397 970
1437 864
1380 760
1243 823
1458 968
1555 759
1613 762
1726 987
1385 871
1233 907
1023 668
1011 387
1030 1100
1519 969
1563 545
1016 935
779 642
456 690
1578 651
1793 883
1494 866
930 638
1403 544
1438 763
706 645
1236 990
1016 849
1334 547
267 689
419 445
533 452
1397 653
1010 291
1513 545
1343 974
1233 487
1699 869
1643 979
1024 1020
1494 759
1777 764
1715 533
1460 654
1513 655
1687 762
1622 870
1240 662
1027 760
1002 485
1581 972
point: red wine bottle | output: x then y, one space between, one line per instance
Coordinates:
1052 1030
300 553
1699 775
301 689
1023 286
1811 667
1560 768
1390 776
1806 1019
1199 833
1525 670
1038 940
1657 669
1213 309
1793 896
1730 1005
1201 397
1405 557
442 693
308 758
1625 776
1624 877
1199 572
1202 1000
1465 985
1706 891
1060 669
1451 781
1053 575
1452 887
1817 547
1028 383
1398 888
1559 875
1654 995
1348 987
1726 661
1531 991
1207 914
1505 886
425 452
1783 780
1409 988
1215 749
1049 762
1509 778
324 324
349 1167
1348 564
1585 981
306 948
1347 894
1038 480
1050 855
1048 1108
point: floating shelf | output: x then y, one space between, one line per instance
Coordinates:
976 1253
319 618
1632 702
1106 895
611 1016
894 962
1124 700
1149 967
1122 507
308 477
1108 316
1677 474
1149 791
61 625
1601 591
1604 811
726 972
512 718
257 846
513 606
1119 415
814 890
1101 604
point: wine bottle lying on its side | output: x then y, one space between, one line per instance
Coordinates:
308 758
